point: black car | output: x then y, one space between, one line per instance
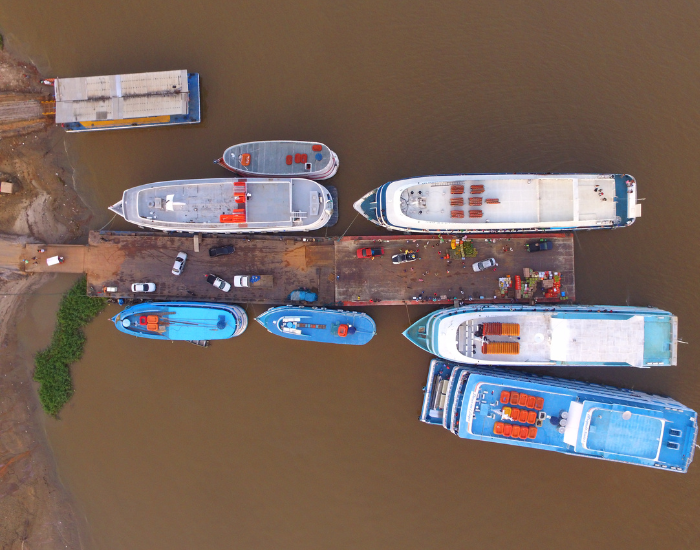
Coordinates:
221 250
538 246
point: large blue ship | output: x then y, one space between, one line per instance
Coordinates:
567 416
190 321
603 336
319 324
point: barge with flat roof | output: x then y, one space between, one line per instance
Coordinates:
127 100
566 416
565 335
227 205
283 159
503 203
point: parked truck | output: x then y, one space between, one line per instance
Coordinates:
255 281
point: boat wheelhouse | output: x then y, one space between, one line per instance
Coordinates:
227 205
612 336
489 203
319 324
284 159
553 414
190 321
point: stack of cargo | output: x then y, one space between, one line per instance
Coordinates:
500 348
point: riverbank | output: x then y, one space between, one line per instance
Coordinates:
37 511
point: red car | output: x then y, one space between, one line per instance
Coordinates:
369 252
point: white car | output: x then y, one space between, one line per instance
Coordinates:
484 264
179 264
143 287
218 282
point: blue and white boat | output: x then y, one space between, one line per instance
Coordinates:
554 414
319 324
190 321
503 203
603 336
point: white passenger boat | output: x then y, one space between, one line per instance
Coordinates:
565 336
284 159
495 203
227 205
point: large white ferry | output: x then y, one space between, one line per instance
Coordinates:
227 205
494 203
565 336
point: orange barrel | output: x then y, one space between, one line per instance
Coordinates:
507 429
531 402
505 397
532 432
515 432
498 428
539 403
531 417
523 399
514 397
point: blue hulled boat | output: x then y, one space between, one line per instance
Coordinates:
554 414
566 336
191 321
319 324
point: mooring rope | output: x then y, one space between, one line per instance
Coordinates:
110 221
353 221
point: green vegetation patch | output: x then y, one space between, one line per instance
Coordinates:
53 364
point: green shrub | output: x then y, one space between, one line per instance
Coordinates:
52 365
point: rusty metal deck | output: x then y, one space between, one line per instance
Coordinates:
437 279
326 265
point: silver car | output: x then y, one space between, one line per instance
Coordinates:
179 264
484 264
143 287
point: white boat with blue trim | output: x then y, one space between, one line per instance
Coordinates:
503 203
566 336
566 416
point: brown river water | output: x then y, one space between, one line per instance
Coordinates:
260 442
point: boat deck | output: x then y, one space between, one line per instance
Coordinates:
520 201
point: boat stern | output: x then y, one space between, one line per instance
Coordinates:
628 209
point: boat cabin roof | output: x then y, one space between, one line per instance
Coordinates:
539 337
518 200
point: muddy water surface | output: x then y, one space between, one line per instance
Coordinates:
263 443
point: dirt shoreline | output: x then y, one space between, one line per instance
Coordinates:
36 510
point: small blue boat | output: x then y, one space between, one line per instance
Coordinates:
567 416
319 324
190 321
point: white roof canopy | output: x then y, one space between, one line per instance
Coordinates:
598 340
